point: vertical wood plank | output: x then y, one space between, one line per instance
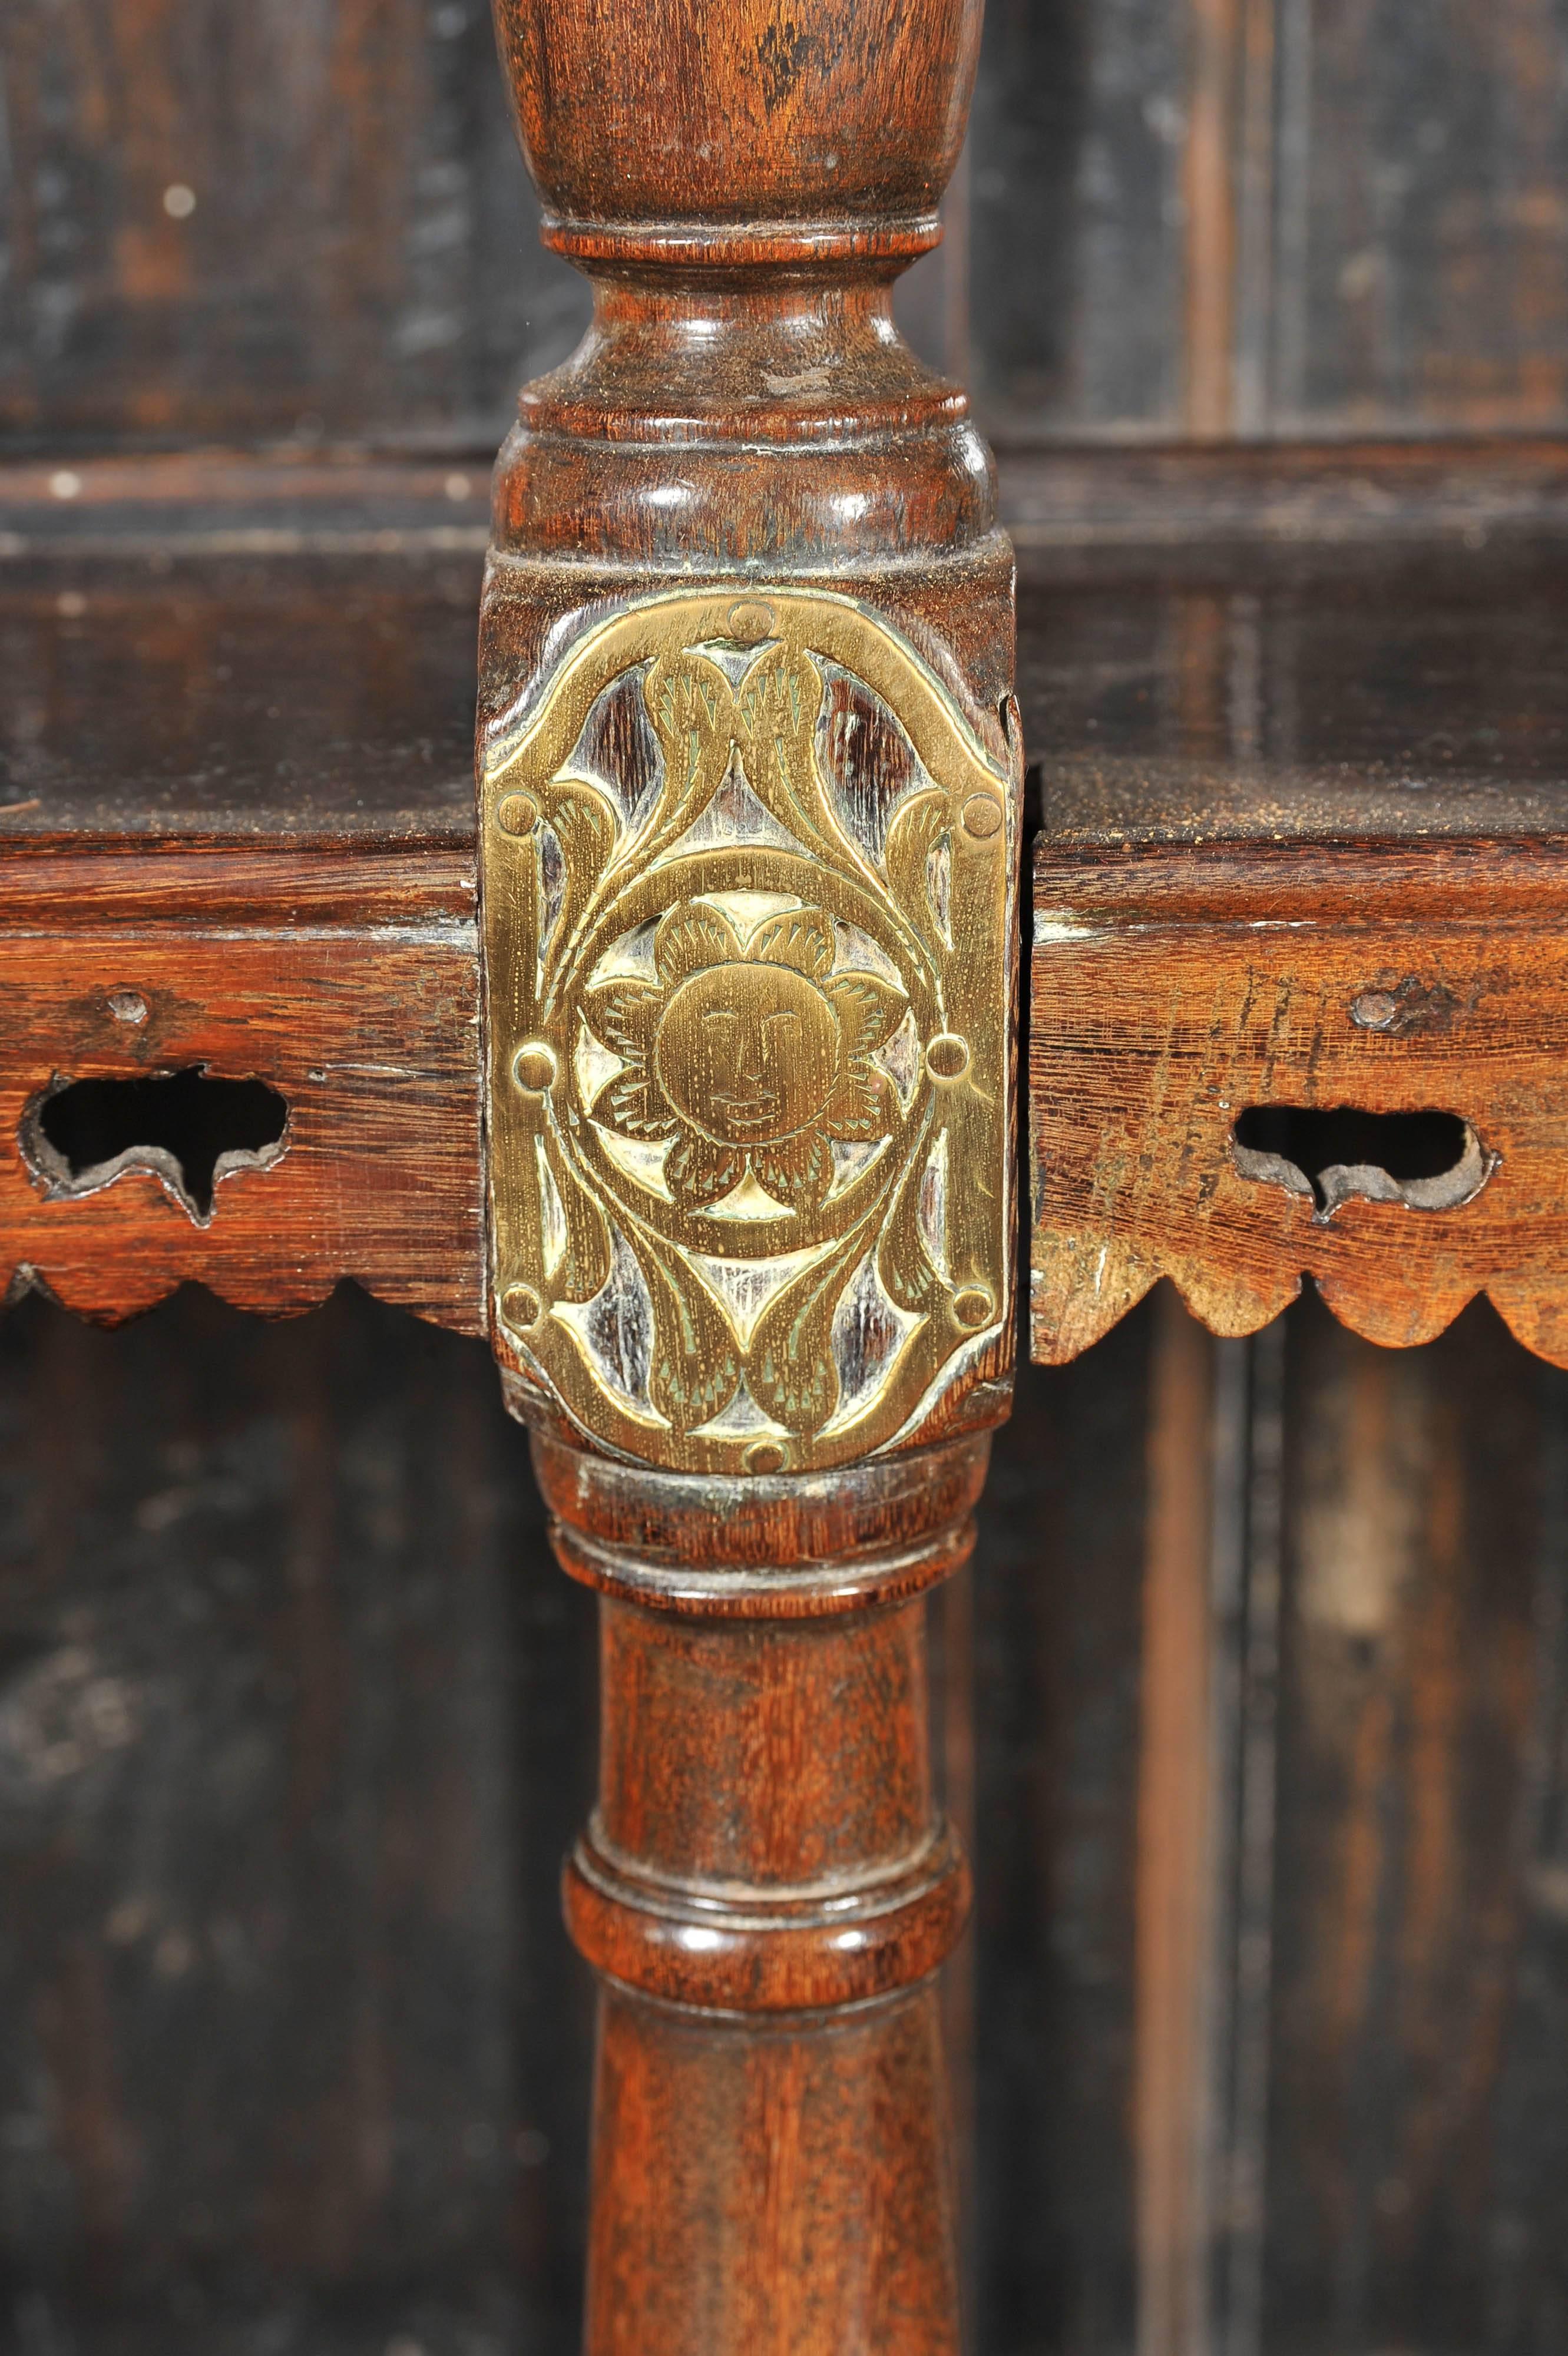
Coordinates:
1077 270
1436 243
263 222
1210 199
1060 1575
295 1715
1175 1801
1402 2210
1246 1783
950 1638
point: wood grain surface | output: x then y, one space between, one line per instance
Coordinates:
767 1886
1333 684
1183 217
314 684
297 1569
285 1674
273 224
1277 787
749 117
350 987
1404 981
1417 2166
296 1717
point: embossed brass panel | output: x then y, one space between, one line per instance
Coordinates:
748 883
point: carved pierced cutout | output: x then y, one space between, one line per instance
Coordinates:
1421 1160
187 1130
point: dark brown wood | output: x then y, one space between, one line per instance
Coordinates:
295 1715
768 1886
1236 215
1223 217
1416 2157
1136 666
235 801
1323 504
1302 848
263 653
1176 1839
270 226
1257 217
1413 981
348 985
167 1488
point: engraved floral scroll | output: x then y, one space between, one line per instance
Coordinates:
748 879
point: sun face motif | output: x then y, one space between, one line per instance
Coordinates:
747 1057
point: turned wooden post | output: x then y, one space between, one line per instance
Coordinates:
748 773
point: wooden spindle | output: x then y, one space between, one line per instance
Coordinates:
767 1887
748 776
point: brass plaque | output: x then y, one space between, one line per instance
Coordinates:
748 888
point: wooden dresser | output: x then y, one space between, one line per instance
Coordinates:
854 959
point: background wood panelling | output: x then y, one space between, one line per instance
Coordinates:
1418 2156
296 1722
1058 1590
1176 217
295 1717
294 1713
360 258
1421 215
1076 245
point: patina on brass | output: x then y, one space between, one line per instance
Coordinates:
748 983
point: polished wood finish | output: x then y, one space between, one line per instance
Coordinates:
263 1798
765 1887
1315 860
1375 2195
1180 217
1398 981
827 134
348 985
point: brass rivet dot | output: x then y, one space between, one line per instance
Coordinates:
982 817
1375 1010
518 814
765 1456
947 1057
749 621
127 1006
521 1306
533 1068
973 1307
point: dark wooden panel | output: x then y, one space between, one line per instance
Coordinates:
1420 989
1374 2154
1060 1575
1422 266
239 647
1076 288
349 986
1090 507
321 693
295 1724
1265 217
1297 693
1418 2154
359 256
1271 216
